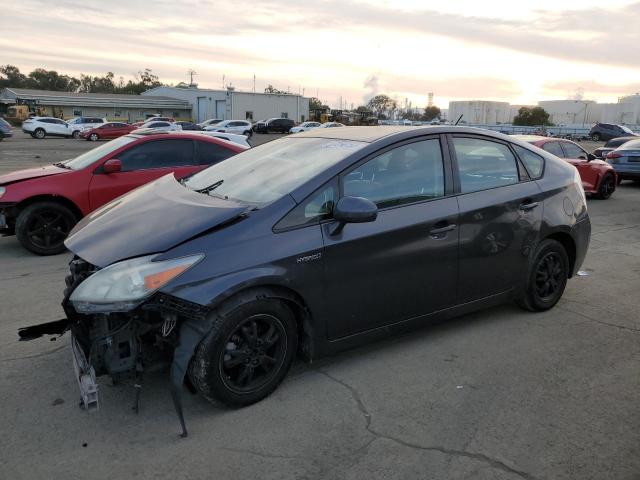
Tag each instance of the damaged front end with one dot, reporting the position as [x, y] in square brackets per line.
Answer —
[122, 326]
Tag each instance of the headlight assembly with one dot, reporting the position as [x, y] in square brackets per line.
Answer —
[122, 286]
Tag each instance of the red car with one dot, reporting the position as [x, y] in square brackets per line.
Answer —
[107, 131]
[41, 205]
[598, 177]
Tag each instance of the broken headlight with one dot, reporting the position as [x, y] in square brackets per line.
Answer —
[122, 286]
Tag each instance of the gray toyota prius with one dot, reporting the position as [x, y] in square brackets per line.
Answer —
[311, 244]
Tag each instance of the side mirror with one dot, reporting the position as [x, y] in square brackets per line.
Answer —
[353, 210]
[112, 166]
[590, 157]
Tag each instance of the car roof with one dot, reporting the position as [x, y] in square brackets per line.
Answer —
[530, 138]
[374, 133]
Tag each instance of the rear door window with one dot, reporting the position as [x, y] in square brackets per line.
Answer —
[533, 162]
[158, 154]
[208, 153]
[484, 164]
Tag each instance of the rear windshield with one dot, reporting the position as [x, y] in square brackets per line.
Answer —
[269, 171]
[4, 122]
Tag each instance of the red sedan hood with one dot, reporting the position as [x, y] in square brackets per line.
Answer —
[31, 173]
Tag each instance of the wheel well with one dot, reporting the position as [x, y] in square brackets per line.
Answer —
[50, 198]
[291, 299]
[570, 247]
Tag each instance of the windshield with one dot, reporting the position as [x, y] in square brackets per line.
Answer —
[272, 170]
[626, 129]
[97, 153]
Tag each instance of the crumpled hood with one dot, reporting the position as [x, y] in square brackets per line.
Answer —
[150, 219]
[30, 173]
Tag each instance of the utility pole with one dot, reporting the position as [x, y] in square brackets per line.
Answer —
[254, 83]
[191, 73]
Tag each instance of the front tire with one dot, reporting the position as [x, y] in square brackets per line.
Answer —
[247, 353]
[94, 137]
[248, 133]
[39, 133]
[607, 187]
[42, 227]
[75, 134]
[547, 277]
[595, 137]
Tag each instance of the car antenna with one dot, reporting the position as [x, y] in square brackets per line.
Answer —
[459, 118]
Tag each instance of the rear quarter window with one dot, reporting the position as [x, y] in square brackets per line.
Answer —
[533, 162]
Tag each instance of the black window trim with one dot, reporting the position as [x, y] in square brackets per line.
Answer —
[456, 171]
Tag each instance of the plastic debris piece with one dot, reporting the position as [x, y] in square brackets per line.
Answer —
[582, 273]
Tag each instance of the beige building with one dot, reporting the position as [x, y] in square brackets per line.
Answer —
[128, 108]
[480, 112]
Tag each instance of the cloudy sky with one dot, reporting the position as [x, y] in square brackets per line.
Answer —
[512, 50]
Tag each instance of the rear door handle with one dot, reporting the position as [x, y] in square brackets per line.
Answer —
[439, 232]
[528, 206]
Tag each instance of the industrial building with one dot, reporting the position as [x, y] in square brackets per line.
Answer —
[231, 104]
[572, 112]
[480, 112]
[127, 108]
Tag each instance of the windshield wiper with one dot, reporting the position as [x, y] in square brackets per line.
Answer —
[210, 187]
[62, 165]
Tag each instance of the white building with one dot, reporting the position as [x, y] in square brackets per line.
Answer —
[480, 112]
[573, 112]
[231, 104]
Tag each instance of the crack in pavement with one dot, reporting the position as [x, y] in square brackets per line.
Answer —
[494, 463]
[600, 322]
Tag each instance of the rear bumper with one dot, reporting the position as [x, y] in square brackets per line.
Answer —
[6, 134]
[581, 234]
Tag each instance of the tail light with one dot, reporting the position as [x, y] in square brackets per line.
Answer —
[613, 155]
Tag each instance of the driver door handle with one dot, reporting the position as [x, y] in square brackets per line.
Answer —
[528, 206]
[440, 232]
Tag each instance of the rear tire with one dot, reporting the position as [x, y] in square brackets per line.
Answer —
[248, 133]
[39, 133]
[247, 353]
[546, 278]
[607, 187]
[75, 134]
[42, 227]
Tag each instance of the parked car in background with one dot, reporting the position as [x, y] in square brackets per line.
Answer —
[211, 122]
[5, 129]
[158, 125]
[315, 243]
[626, 160]
[41, 127]
[156, 118]
[189, 126]
[304, 126]
[331, 125]
[609, 131]
[79, 124]
[260, 126]
[41, 205]
[611, 145]
[598, 177]
[107, 131]
[277, 125]
[231, 137]
[239, 127]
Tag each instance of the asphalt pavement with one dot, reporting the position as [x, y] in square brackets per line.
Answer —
[498, 394]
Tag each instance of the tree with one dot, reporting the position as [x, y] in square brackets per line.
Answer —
[316, 104]
[431, 113]
[532, 116]
[10, 76]
[381, 104]
[271, 89]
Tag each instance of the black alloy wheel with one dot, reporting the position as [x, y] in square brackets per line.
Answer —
[547, 277]
[43, 227]
[246, 354]
[254, 352]
[607, 187]
[595, 137]
[75, 134]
